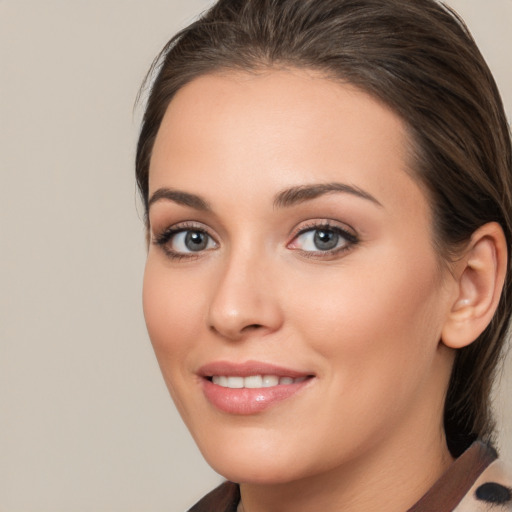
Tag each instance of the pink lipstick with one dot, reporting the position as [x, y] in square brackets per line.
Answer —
[250, 387]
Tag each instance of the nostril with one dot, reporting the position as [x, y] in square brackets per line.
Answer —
[252, 327]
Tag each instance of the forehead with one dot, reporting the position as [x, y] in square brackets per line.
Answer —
[279, 128]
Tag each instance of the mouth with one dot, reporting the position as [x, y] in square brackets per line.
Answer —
[253, 381]
[250, 387]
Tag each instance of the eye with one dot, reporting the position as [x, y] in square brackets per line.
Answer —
[323, 239]
[191, 241]
[179, 242]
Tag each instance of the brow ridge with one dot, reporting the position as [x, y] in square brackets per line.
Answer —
[179, 197]
[301, 193]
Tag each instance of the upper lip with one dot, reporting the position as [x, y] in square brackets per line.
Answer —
[248, 368]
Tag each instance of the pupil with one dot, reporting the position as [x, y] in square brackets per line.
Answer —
[325, 239]
[195, 241]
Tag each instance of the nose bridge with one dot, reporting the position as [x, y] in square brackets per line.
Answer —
[243, 299]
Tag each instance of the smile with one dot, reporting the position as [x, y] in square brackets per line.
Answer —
[253, 381]
[250, 387]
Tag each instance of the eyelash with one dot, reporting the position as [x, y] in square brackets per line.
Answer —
[351, 239]
[162, 239]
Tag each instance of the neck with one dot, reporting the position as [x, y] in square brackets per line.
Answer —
[383, 480]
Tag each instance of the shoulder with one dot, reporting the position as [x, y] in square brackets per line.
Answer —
[492, 490]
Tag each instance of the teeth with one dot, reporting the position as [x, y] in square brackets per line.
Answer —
[253, 381]
[270, 380]
[235, 382]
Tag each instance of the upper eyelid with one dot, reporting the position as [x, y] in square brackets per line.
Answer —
[323, 223]
[183, 226]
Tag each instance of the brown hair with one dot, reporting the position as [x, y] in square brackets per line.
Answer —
[415, 56]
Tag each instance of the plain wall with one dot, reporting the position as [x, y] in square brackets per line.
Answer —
[86, 423]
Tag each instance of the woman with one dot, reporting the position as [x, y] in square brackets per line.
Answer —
[328, 194]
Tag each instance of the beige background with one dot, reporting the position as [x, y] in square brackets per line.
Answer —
[85, 420]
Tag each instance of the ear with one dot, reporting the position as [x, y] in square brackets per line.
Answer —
[480, 275]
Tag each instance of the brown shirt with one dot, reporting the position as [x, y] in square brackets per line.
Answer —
[475, 482]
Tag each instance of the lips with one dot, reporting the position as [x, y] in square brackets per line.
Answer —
[250, 387]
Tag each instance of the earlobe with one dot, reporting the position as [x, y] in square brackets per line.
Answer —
[480, 276]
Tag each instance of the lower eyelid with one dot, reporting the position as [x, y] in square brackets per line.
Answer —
[327, 255]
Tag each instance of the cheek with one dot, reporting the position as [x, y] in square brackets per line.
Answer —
[378, 329]
[378, 317]
[171, 313]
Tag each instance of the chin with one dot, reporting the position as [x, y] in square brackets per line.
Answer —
[250, 471]
[258, 463]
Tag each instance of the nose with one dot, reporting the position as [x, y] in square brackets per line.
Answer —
[244, 301]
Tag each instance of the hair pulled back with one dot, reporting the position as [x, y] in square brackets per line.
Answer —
[419, 59]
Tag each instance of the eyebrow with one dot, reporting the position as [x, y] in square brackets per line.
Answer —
[284, 199]
[296, 195]
[179, 197]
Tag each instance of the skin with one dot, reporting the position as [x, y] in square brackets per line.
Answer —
[366, 432]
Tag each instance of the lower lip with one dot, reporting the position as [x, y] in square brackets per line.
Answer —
[245, 401]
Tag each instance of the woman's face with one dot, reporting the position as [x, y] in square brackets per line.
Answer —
[292, 293]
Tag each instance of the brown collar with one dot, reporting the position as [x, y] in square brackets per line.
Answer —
[224, 498]
[457, 480]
